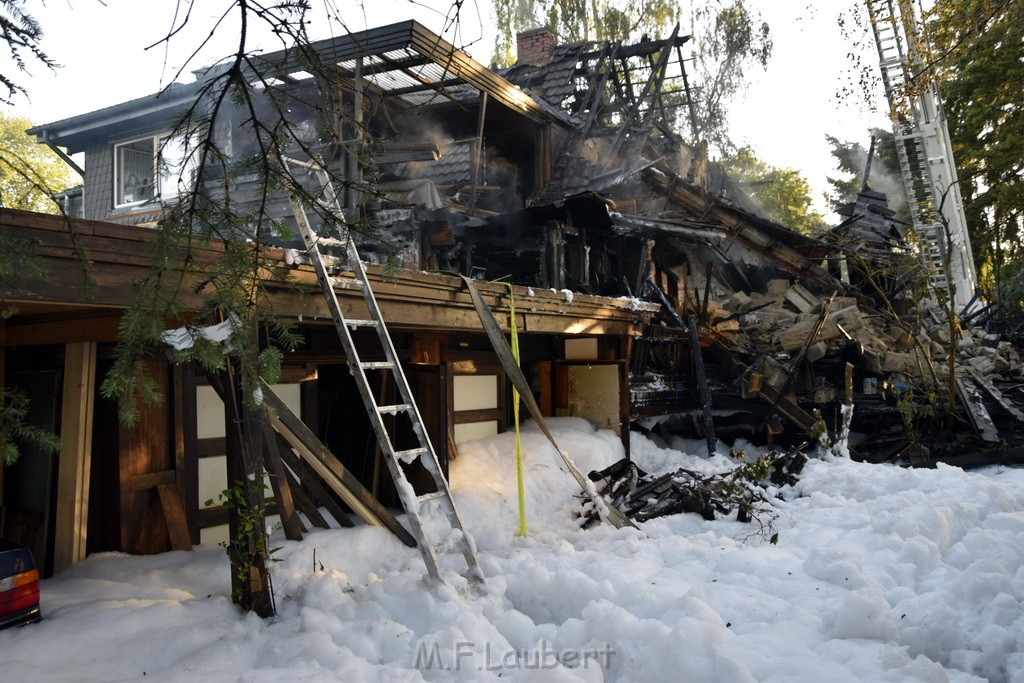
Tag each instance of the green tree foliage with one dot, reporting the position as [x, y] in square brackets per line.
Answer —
[783, 193]
[20, 33]
[979, 58]
[16, 432]
[729, 40]
[30, 173]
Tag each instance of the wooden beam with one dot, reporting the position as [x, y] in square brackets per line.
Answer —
[409, 299]
[72, 515]
[65, 331]
[174, 515]
[787, 407]
[148, 480]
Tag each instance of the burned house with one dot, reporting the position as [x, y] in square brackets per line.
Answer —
[560, 186]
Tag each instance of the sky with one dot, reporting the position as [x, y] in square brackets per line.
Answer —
[784, 116]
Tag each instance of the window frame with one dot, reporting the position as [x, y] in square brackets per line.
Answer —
[165, 185]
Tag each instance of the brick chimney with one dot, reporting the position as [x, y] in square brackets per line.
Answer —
[535, 47]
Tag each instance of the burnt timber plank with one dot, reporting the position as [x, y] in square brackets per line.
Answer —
[976, 411]
[304, 503]
[787, 407]
[309, 483]
[995, 395]
[330, 469]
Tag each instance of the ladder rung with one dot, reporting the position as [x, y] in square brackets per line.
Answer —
[377, 365]
[411, 454]
[352, 322]
[427, 497]
[392, 410]
[346, 282]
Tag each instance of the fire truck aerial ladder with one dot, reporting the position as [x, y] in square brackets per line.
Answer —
[924, 149]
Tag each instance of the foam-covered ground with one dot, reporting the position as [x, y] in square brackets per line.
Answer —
[879, 574]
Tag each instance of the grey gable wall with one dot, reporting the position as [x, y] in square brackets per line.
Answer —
[99, 181]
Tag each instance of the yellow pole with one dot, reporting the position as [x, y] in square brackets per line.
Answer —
[515, 414]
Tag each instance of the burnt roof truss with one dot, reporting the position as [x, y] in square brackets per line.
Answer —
[617, 93]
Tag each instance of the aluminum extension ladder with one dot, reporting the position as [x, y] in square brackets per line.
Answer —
[456, 535]
[924, 149]
[893, 56]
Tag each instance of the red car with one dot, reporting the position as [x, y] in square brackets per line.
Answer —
[19, 585]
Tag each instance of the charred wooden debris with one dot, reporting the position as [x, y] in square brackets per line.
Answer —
[745, 491]
[612, 202]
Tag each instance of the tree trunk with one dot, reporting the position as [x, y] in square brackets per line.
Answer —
[247, 546]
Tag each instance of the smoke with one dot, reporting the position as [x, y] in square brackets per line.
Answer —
[885, 176]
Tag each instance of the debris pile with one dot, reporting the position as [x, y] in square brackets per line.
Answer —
[742, 490]
[908, 365]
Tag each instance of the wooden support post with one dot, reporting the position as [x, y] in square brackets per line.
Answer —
[624, 406]
[698, 366]
[72, 517]
[279, 482]
[250, 579]
[709, 270]
[145, 459]
[186, 465]
[3, 383]
[848, 381]
[702, 385]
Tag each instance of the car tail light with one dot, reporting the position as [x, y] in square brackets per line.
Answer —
[19, 592]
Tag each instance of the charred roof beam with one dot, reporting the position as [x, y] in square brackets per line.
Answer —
[640, 120]
[640, 49]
